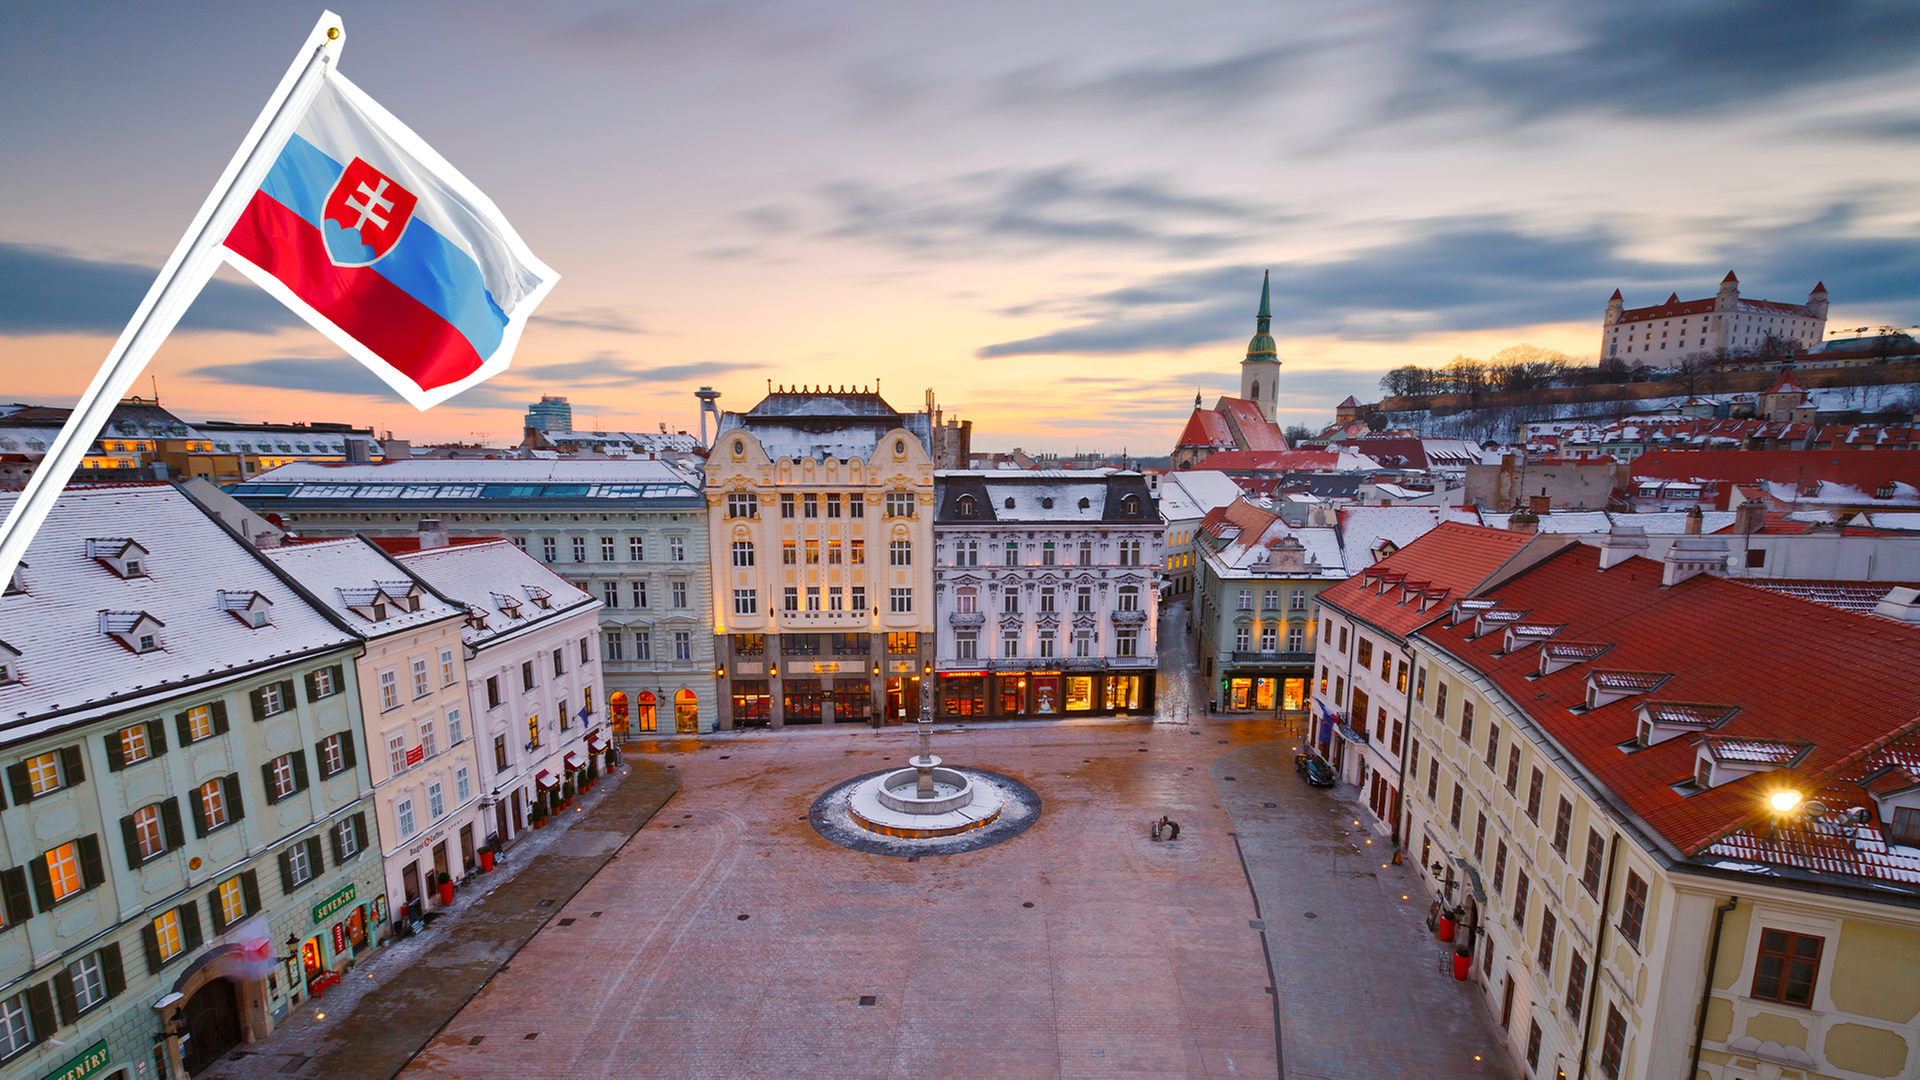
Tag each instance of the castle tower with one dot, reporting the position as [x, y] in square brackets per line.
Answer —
[1260, 371]
[1614, 307]
[1729, 294]
[1817, 300]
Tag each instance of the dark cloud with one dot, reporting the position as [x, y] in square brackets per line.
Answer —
[1226, 82]
[1652, 57]
[608, 319]
[47, 291]
[608, 370]
[1029, 209]
[1457, 274]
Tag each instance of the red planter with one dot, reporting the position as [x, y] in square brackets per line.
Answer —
[1447, 928]
[539, 823]
[1462, 966]
[446, 893]
[486, 860]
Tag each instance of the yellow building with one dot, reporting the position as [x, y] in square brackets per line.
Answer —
[820, 511]
[1675, 820]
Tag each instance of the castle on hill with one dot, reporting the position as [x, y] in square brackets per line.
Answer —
[1664, 334]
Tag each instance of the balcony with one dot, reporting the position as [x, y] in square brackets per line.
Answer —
[968, 618]
[1129, 618]
[1273, 656]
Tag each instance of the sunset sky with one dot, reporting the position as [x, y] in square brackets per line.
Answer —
[1053, 214]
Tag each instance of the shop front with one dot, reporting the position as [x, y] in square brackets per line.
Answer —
[1280, 692]
[1044, 694]
[752, 703]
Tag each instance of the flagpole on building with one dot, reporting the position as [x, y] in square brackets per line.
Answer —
[184, 275]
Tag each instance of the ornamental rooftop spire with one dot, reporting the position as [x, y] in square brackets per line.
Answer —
[1262, 347]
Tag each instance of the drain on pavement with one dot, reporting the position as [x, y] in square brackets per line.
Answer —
[742, 918]
[476, 1040]
[566, 922]
[1222, 742]
[869, 999]
[530, 1036]
[1311, 915]
[1143, 749]
[1027, 904]
[1256, 924]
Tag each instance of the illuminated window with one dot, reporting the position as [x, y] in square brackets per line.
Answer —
[148, 836]
[167, 933]
[43, 773]
[233, 901]
[214, 811]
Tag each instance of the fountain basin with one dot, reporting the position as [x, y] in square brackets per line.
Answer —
[899, 791]
[876, 805]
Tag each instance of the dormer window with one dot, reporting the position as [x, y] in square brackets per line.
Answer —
[507, 605]
[249, 607]
[369, 604]
[1607, 687]
[1720, 760]
[1130, 506]
[1703, 775]
[137, 630]
[9, 664]
[541, 598]
[404, 595]
[14, 585]
[1555, 655]
[966, 507]
[1009, 503]
[119, 554]
[1086, 504]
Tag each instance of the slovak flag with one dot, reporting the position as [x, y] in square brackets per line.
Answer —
[384, 247]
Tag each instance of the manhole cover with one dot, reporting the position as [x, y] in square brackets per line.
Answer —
[530, 1036]
[742, 918]
[869, 999]
[566, 922]
[1311, 915]
[476, 1040]
[1027, 904]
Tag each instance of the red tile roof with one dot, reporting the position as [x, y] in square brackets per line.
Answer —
[1452, 559]
[1800, 672]
[1205, 428]
[1863, 471]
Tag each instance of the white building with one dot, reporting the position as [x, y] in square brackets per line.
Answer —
[534, 683]
[1661, 335]
[1185, 500]
[1046, 592]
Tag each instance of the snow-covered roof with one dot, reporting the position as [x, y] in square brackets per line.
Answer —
[478, 471]
[1662, 523]
[844, 442]
[1897, 520]
[340, 572]
[1249, 556]
[483, 575]
[68, 662]
[1191, 494]
[1363, 528]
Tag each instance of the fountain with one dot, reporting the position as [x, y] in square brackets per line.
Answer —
[924, 800]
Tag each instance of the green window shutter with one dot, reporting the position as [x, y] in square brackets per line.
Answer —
[156, 737]
[299, 770]
[71, 766]
[170, 823]
[216, 914]
[250, 890]
[190, 926]
[116, 752]
[151, 938]
[199, 804]
[346, 749]
[22, 787]
[219, 717]
[313, 854]
[63, 994]
[235, 809]
[313, 688]
[339, 678]
[40, 1007]
[286, 873]
[255, 698]
[181, 726]
[131, 837]
[13, 888]
[42, 883]
[360, 831]
[333, 834]
[112, 970]
[92, 872]
[286, 694]
[266, 783]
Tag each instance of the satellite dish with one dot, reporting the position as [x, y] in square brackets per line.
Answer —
[1815, 810]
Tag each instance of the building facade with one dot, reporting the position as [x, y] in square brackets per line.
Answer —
[1255, 584]
[418, 732]
[1185, 499]
[533, 674]
[1664, 334]
[1675, 820]
[1046, 591]
[185, 793]
[820, 507]
[631, 533]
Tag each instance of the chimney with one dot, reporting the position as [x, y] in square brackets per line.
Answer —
[1539, 505]
[1692, 555]
[1749, 517]
[1694, 517]
[1901, 605]
[432, 534]
[1621, 543]
[1523, 521]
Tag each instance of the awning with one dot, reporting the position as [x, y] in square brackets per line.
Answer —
[545, 780]
[595, 743]
[574, 762]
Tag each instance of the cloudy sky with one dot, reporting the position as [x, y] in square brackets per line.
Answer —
[1055, 215]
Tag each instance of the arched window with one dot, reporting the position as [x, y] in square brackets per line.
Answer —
[644, 712]
[1256, 390]
[1009, 502]
[965, 507]
[1130, 505]
[967, 600]
[686, 713]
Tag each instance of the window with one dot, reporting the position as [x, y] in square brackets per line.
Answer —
[1126, 643]
[147, 838]
[1633, 908]
[856, 506]
[219, 803]
[1905, 827]
[43, 773]
[1534, 788]
[462, 784]
[677, 548]
[389, 690]
[1562, 826]
[746, 602]
[1047, 553]
[1513, 768]
[1343, 641]
[429, 742]
[397, 753]
[1296, 638]
[493, 692]
[436, 801]
[1046, 644]
[1499, 866]
[1365, 653]
[1419, 685]
[832, 499]
[421, 687]
[1576, 983]
[1010, 644]
[579, 549]
[859, 598]
[559, 662]
[1613, 1045]
[966, 646]
[606, 549]
[810, 505]
[1533, 1044]
[1479, 837]
[790, 598]
[1493, 745]
[547, 548]
[229, 902]
[526, 675]
[1127, 598]
[900, 601]
[857, 552]
[1046, 599]
[813, 552]
[1086, 553]
[679, 589]
[899, 553]
[683, 645]
[1269, 638]
[743, 553]
[637, 546]
[742, 506]
[1549, 925]
[899, 504]
[1083, 598]
[1459, 798]
[170, 933]
[1466, 722]
[323, 683]
[1440, 702]
[347, 838]
[90, 980]
[1590, 871]
[1433, 781]
[610, 593]
[1297, 601]
[786, 506]
[273, 699]
[1013, 553]
[586, 651]
[17, 1027]
[335, 754]
[1520, 884]
[284, 776]
[403, 815]
[1786, 966]
[639, 594]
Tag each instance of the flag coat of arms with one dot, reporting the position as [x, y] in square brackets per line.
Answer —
[384, 247]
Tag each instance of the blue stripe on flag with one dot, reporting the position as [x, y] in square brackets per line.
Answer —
[427, 265]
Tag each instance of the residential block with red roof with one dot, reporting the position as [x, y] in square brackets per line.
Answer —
[1677, 816]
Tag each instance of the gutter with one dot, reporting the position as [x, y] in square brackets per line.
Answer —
[1599, 952]
[1706, 989]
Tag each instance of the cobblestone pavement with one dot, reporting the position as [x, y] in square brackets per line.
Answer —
[394, 1001]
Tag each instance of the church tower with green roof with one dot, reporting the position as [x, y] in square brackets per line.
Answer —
[1260, 371]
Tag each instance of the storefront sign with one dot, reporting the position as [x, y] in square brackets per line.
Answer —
[339, 937]
[332, 904]
[416, 755]
[96, 1058]
[829, 668]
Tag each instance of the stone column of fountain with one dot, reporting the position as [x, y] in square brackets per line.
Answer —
[926, 761]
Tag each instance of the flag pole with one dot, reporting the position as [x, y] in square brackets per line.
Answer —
[185, 273]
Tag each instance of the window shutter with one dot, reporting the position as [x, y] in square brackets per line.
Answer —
[346, 748]
[17, 780]
[360, 831]
[42, 883]
[151, 939]
[235, 809]
[180, 725]
[156, 737]
[333, 834]
[13, 887]
[190, 926]
[259, 706]
[71, 766]
[63, 994]
[250, 890]
[116, 752]
[40, 1007]
[313, 687]
[131, 836]
[286, 695]
[266, 783]
[219, 718]
[113, 970]
[339, 678]
[219, 917]
[170, 823]
[299, 770]
[313, 855]
[286, 872]
[199, 804]
[92, 873]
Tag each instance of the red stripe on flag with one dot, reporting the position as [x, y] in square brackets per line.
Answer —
[376, 312]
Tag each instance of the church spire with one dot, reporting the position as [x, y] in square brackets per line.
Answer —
[1266, 302]
[1262, 347]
